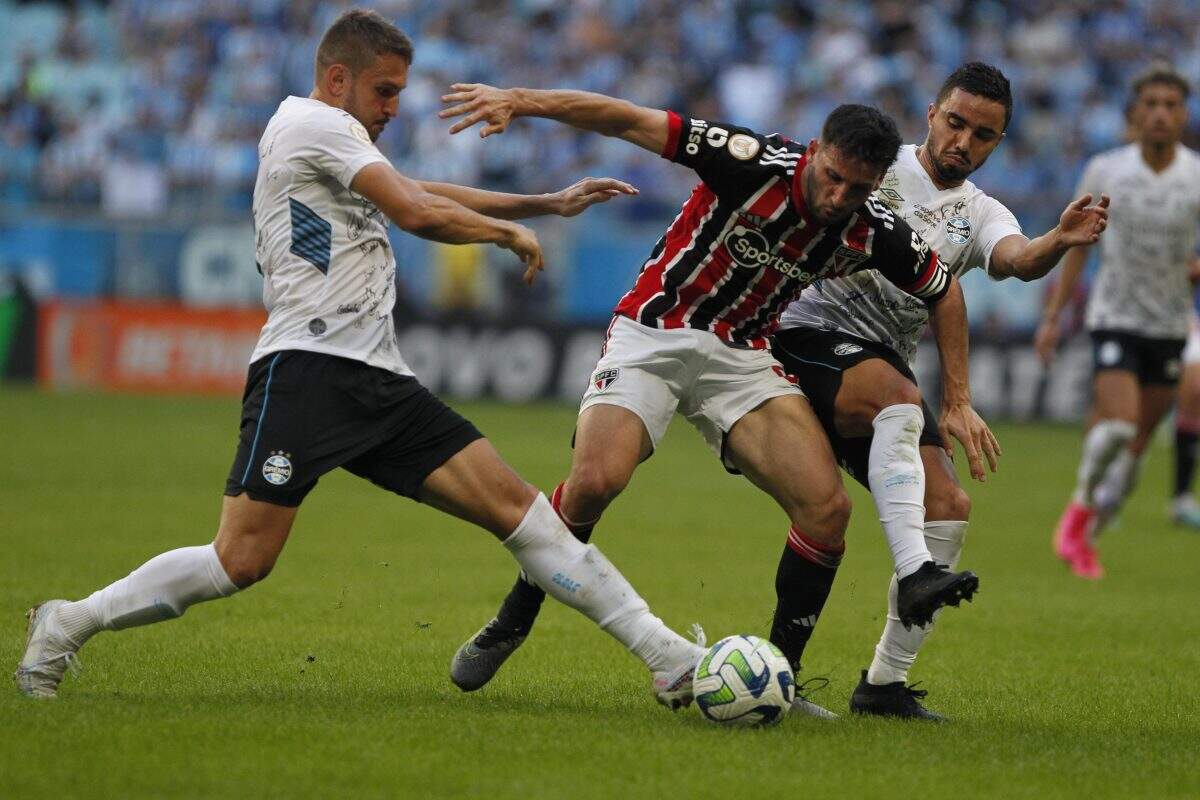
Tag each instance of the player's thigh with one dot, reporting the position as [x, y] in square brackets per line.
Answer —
[476, 485]
[945, 498]
[610, 442]
[781, 447]
[868, 387]
[251, 536]
[1116, 394]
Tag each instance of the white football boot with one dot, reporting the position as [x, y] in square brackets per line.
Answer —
[673, 687]
[48, 653]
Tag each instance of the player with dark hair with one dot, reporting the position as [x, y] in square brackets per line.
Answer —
[769, 217]
[1139, 307]
[327, 388]
[851, 341]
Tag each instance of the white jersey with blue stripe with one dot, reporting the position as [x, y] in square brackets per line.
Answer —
[328, 269]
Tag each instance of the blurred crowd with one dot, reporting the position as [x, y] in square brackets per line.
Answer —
[135, 104]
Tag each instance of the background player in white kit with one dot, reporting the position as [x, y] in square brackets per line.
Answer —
[327, 387]
[851, 342]
[1139, 307]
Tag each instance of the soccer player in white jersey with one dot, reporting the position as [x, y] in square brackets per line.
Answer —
[851, 342]
[769, 216]
[327, 387]
[1138, 310]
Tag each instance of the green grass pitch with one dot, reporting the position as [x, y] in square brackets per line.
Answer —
[330, 678]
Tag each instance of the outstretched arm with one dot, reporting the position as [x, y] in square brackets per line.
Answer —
[1080, 225]
[477, 102]
[958, 418]
[432, 216]
[566, 202]
[1045, 341]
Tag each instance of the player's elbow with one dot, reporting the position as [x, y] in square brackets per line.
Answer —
[417, 216]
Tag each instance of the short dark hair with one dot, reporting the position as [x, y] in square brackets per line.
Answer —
[358, 37]
[864, 133]
[981, 79]
[1160, 73]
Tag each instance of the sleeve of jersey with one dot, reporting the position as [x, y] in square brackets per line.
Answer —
[915, 267]
[723, 155]
[340, 146]
[997, 223]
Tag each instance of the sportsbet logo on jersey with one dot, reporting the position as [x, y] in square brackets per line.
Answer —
[749, 248]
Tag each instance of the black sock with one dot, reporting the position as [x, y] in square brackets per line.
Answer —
[1185, 461]
[801, 588]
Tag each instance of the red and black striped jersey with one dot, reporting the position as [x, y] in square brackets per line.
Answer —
[744, 245]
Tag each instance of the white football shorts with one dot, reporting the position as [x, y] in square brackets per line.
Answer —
[655, 372]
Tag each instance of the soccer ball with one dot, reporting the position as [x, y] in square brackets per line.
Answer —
[744, 680]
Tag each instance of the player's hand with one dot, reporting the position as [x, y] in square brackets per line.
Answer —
[584, 194]
[1045, 341]
[479, 103]
[961, 422]
[524, 243]
[1082, 222]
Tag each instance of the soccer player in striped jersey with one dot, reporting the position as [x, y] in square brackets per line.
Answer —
[1139, 308]
[858, 335]
[769, 217]
[327, 387]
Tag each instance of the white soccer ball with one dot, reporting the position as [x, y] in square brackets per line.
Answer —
[744, 680]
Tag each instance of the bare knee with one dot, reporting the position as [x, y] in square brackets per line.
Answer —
[949, 503]
[826, 521]
[856, 415]
[245, 561]
[592, 486]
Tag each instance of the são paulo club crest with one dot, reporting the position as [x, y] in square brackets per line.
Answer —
[605, 378]
[277, 469]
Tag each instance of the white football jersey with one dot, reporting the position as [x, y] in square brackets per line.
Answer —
[328, 270]
[1142, 286]
[962, 224]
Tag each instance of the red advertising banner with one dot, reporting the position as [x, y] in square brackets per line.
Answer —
[154, 348]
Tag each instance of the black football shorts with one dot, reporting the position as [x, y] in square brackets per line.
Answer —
[304, 414]
[1155, 362]
[817, 359]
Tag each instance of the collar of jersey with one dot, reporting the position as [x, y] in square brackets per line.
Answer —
[798, 191]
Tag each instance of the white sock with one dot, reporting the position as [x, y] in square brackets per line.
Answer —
[579, 576]
[1119, 480]
[897, 648]
[1104, 441]
[158, 590]
[897, 480]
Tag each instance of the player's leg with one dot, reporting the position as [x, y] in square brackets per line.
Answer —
[263, 492]
[782, 449]
[610, 441]
[867, 395]
[1154, 401]
[876, 401]
[249, 540]
[626, 409]
[1115, 414]
[1184, 508]
[882, 689]
[477, 486]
